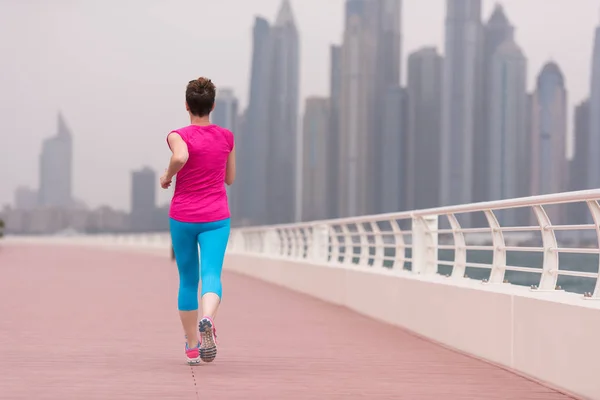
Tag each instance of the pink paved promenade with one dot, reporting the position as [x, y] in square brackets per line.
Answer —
[80, 323]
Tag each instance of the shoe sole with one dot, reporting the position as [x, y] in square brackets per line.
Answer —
[193, 361]
[208, 347]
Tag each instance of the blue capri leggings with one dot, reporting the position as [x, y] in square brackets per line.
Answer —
[212, 238]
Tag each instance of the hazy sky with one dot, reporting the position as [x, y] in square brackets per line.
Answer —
[118, 70]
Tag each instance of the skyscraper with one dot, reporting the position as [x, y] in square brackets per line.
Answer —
[579, 165]
[507, 125]
[525, 153]
[333, 165]
[424, 87]
[238, 191]
[143, 199]
[387, 172]
[357, 108]
[26, 198]
[370, 65]
[143, 189]
[462, 97]
[496, 31]
[389, 42]
[283, 117]
[253, 143]
[225, 113]
[392, 155]
[593, 178]
[315, 159]
[56, 163]
[549, 134]
[269, 142]
[524, 215]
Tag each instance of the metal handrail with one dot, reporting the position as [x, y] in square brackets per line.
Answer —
[362, 242]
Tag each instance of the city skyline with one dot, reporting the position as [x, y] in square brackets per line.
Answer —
[95, 196]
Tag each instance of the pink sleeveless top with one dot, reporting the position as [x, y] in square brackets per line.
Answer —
[200, 194]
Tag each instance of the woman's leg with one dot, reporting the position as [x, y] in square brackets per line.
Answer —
[213, 243]
[185, 246]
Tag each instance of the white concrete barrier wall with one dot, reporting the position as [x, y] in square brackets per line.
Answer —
[551, 337]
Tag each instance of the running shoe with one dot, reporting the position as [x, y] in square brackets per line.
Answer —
[208, 339]
[192, 355]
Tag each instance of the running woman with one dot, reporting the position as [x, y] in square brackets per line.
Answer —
[203, 161]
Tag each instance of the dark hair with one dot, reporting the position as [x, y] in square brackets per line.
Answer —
[200, 96]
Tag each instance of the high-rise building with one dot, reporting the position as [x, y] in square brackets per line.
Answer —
[579, 165]
[525, 153]
[225, 113]
[524, 215]
[549, 134]
[333, 165]
[496, 31]
[389, 42]
[315, 159]
[370, 65]
[269, 142]
[236, 195]
[393, 152]
[25, 198]
[143, 199]
[283, 117]
[507, 125]
[253, 142]
[56, 164]
[357, 108]
[424, 87]
[143, 189]
[593, 177]
[462, 100]
[384, 178]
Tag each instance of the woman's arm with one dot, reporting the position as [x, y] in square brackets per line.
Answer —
[178, 158]
[230, 172]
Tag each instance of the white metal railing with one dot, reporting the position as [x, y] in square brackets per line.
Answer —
[415, 240]
[151, 241]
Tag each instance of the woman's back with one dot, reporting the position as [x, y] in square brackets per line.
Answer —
[200, 194]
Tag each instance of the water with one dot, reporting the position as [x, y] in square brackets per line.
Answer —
[567, 261]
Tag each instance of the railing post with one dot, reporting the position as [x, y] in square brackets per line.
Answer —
[499, 254]
[348, 245]
[335, 245]
[424, 244]
[363, 257]
[236, 243]
[400, 249]
[378, 243]
[272, 245]
[320, 244]
[550, 264]
[595, 211]
[460, 248]
[296, 252]
[306, 234]
[252, 244]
